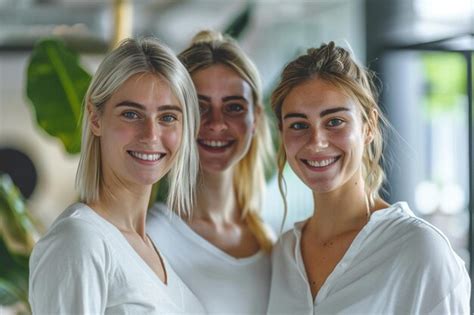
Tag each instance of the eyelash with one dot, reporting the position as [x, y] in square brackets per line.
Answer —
[340, 122]
[165, 117]
[233, 108]
[302, 125]
[127, 115]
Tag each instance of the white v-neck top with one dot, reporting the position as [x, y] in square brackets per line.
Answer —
[223, 284]
[397, 264]
[84, 265]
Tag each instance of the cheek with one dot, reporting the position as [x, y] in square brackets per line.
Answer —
[116, 134]
[349, 141]
[172, 139]
[245, 124]
[292, 144]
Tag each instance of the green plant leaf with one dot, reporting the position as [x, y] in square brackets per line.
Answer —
[13, 276]
[56, 85]
[240, 23]
[17, 228]
[17, 236]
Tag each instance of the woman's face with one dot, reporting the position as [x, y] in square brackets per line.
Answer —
[227, 117]
[140, 131]
[323, 136]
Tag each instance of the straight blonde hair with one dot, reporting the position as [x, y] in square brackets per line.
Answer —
[210, 48]
[131, 57]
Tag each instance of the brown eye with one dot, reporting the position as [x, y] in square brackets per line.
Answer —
[235, 108]
[203, 109]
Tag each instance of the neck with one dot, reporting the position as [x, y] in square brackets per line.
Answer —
[215, 200]
[343, 210]
[124, 207]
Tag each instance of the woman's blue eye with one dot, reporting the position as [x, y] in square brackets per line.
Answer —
[130, 115]
[168, 118]
[298, 126]
[335, 122]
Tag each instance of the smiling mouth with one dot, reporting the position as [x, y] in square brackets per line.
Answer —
[215, 144]
[152, 157]
[321, 163]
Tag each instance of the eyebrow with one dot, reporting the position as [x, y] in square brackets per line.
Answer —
[225, 99]
[234, 98]
[322, 114]
[143, 108]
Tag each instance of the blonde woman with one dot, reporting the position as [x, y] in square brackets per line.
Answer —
[356, 254]
[221, 251]
[140, 119]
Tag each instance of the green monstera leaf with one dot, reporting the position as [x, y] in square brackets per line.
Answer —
[18, 233]
[56, 85]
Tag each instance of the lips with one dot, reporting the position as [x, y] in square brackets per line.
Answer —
[152, 157]
[321, 163]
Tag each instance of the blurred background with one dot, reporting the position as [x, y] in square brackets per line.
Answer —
[422, 51]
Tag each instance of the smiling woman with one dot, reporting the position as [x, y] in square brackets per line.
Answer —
[140, 120]
[356, 254]
[221, 251]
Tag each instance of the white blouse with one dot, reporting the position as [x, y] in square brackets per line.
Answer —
[222, 283]
[84, 265]
[397, 264]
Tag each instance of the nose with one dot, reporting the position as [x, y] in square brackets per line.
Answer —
[150, 131]
[215, 121]
[318, 140]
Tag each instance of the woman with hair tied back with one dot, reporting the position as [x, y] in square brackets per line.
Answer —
[222, 250]
[356, 254]
[140, 117]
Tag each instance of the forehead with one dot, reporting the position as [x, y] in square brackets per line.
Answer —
[317, 95]
[220, 78]
[146, 88]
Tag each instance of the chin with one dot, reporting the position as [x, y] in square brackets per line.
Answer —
[320, 187]
[215, 167]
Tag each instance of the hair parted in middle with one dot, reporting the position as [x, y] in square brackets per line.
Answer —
[131, 57]
[335, 65]
[210, 48]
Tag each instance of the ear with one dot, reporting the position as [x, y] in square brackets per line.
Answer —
[94, 120]
[370, 126]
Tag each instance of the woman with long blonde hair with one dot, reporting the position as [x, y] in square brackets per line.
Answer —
[222, 249]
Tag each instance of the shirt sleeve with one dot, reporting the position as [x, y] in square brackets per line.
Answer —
[456, 302]
[68, 270]
[438, 274]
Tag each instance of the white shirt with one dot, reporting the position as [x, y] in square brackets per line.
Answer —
[224, 284]
[84, 265]
[397, 264]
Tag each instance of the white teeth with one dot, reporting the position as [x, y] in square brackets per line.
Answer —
[321, 163]
[214, 143]
[146, 157]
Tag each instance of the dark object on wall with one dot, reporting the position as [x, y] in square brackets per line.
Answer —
[20, 168]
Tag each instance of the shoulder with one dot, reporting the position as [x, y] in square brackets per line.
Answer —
[158, 212]
[422, 246]
[74, 236]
